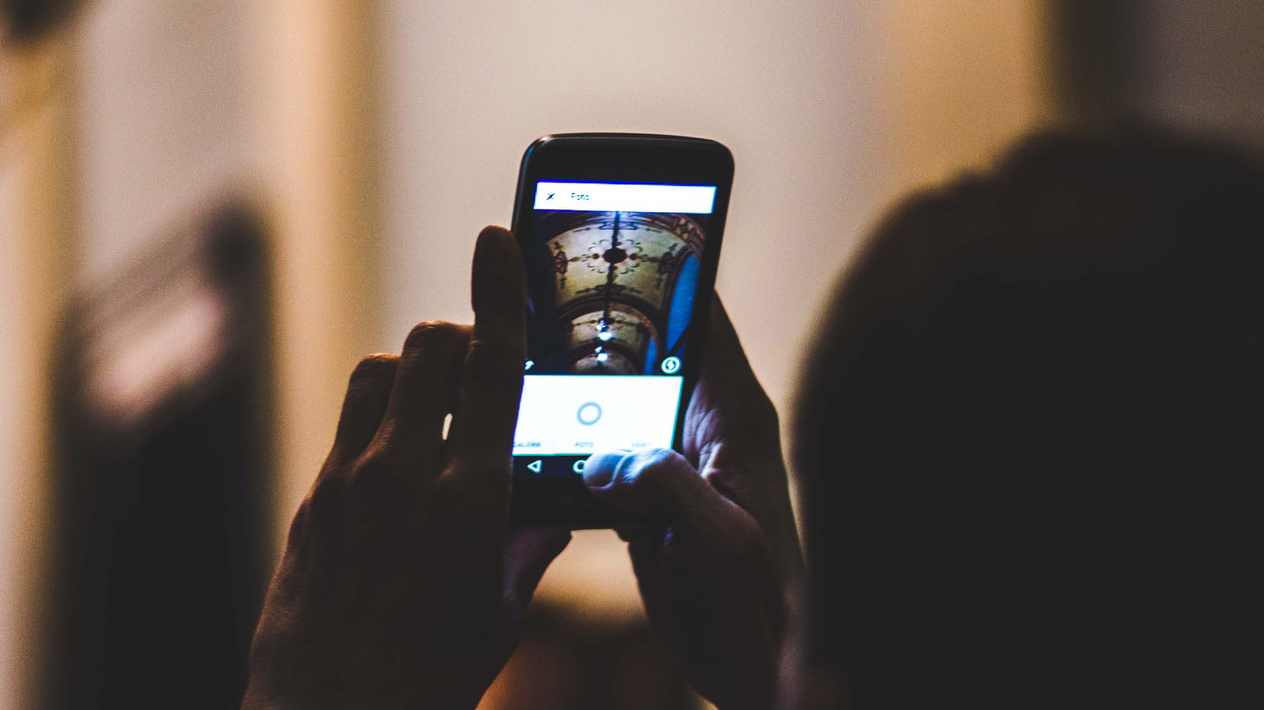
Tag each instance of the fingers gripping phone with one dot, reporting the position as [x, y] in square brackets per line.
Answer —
[620, 234]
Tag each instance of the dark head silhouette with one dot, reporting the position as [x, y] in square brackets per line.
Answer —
[1028, 440]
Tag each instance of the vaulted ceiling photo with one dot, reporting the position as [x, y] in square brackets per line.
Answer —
[624, 286]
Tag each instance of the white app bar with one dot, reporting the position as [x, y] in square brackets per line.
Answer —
[621, 197]
[587, 414]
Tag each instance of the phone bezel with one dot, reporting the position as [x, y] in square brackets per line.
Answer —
[621, 158]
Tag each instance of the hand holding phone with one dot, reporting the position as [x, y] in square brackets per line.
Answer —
[621, 236]
[401, 584]
[718, 574]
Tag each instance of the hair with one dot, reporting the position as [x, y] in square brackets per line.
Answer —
[1027, 441]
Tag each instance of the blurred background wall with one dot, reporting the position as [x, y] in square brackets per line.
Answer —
[376, 138]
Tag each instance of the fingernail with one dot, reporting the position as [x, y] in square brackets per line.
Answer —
[492, 243]
[496, 278]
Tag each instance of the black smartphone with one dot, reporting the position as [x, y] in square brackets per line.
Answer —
[620, 234]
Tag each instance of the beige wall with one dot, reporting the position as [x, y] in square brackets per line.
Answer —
[36, 227]
[966, 78]
[317, 118]
[10, 458]
[1202, 66]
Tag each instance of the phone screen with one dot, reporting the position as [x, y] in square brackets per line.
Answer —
[612, 277]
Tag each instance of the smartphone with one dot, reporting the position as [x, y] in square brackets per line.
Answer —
[620, 234]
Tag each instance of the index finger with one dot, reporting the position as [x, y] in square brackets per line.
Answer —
[491, 382]
[742, 413]
[725, 358]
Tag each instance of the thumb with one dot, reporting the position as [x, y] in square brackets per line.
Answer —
[659, 483]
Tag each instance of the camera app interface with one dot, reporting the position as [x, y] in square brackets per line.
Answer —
[613, 271]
